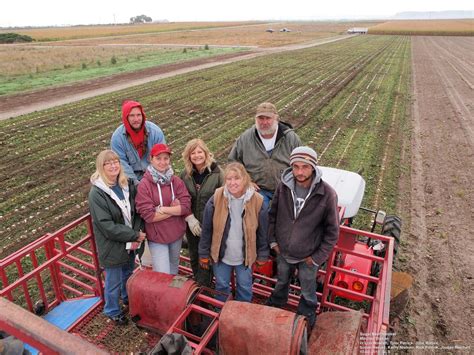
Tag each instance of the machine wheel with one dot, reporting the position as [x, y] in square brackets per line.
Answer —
[392, 227]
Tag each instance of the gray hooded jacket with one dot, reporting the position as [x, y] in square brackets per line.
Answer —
[314, 230]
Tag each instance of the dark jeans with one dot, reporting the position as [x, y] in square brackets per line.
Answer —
[201, 276]
[307, 277]
[267, 197]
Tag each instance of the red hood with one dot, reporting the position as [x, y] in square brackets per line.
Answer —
[137, 137]
[126, 108]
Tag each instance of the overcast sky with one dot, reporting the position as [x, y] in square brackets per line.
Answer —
[67, 12]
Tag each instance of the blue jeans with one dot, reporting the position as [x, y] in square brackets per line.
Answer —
[165, 257]
[267, 197]
[243, 276]
[115, 286]
[307, 276]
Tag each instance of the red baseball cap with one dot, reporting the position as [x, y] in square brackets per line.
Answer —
[160, 148]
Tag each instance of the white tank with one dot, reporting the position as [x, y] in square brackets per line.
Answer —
[349, 186]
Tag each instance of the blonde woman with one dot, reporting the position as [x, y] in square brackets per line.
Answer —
[202, 176]
[115, 222]
[234, 232]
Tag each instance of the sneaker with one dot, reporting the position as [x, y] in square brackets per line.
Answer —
[120, 319]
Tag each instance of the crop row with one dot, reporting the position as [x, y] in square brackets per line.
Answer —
[328, 91]
[365, 124]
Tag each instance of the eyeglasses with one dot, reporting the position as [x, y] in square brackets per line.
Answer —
[112, 162]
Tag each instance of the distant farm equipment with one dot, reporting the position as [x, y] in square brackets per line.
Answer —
[360, 30]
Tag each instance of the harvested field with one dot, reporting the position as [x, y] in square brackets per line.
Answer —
[438, 194]
[74, 32]
[463, 27]
[250, 35]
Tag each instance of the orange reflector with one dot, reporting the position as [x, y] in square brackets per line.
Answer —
[342, 284]
[357, 286]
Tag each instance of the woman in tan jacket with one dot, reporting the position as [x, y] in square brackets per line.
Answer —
[234, 233]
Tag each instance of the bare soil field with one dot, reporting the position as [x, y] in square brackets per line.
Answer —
[438, 195]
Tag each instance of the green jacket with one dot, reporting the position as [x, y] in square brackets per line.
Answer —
[110, 232]
[199, 198]
[264, 169]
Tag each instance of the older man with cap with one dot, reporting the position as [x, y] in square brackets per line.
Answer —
[133, 140]
[264, 149]
[303, 229]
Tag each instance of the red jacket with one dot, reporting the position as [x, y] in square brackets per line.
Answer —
[170, 229]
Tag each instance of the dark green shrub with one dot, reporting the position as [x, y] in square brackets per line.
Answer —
[14, 38]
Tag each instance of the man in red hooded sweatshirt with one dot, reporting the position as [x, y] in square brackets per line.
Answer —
[133, 140]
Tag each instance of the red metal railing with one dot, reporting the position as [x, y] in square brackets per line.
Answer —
[60, 269]
[377, 318]
[53, 269]
[203, 305]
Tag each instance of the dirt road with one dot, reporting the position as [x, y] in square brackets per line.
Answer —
[24, 103]
[440, 244]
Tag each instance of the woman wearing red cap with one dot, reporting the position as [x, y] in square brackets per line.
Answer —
[163, 201]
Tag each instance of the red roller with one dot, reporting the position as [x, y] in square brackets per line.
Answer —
[248, 328]
[156, 300]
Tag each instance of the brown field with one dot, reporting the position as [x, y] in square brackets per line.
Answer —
[29, 59]
[437, 192]
[73, 32]
[463, 27]
[245, 35]
[212, 33]
[18, 59]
